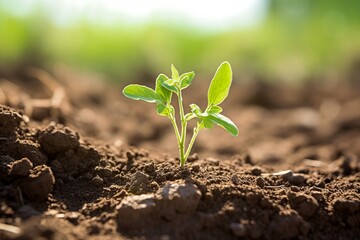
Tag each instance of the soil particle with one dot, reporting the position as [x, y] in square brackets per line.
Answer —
[235, 179]
[256, 171]
[57, 138]
[195, 168]
[139, 183]
[21, 168]
[38, 184]
[295, 178]
[304, 204]
[260, 182]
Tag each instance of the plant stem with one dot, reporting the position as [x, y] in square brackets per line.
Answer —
[173, 121]
[183, 130]
[195, 133]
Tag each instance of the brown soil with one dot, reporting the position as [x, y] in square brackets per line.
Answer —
[67, 170]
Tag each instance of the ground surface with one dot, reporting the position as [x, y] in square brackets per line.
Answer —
[67, 170]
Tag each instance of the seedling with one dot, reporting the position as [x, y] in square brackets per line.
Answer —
[165, 87]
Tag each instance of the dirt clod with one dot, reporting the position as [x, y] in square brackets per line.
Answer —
[305, 205]
[9, 121]
[21, 168]
[38, 184]
[57, 139]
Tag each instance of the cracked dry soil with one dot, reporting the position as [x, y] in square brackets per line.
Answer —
[293, 173]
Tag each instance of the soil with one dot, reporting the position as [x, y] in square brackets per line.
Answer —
[79, 161]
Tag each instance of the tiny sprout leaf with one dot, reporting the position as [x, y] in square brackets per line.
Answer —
[214, 109]
[224, 122]
[169, 84]
[162, 110]
[163, 92]
[186, 79]
[220, 84]
[174, 72]
[189, 116]
[140, 92]
[196, 110]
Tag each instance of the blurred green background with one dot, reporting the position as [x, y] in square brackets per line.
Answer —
[283, 40]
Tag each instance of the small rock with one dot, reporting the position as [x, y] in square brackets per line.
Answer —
[73, 217]
[235, 180]
[21, 168]
[256, 171]
[295, 178]
[213, 161]
[139, 183]
[260, 182]
[193, 157]
[178, 198]
[150, 168]
[130, 155]
[238, 229]
[97, 181]
[195, 168]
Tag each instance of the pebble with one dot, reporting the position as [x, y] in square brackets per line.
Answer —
[260, 182]
[195, 168]
[235, 180]
[256, 171]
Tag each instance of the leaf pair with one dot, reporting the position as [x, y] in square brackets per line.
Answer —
[212, 116]
[217, 93]
[161, 95]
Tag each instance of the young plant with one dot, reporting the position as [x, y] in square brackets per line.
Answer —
[165, 87]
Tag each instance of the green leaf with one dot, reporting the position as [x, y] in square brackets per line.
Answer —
[140, 92]
[220, 84]
[207, 123]
[224, 122]
[161, 109]
[186, 79]
[214, 109]
[174, 72]
[163, 92]
[169, 84]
